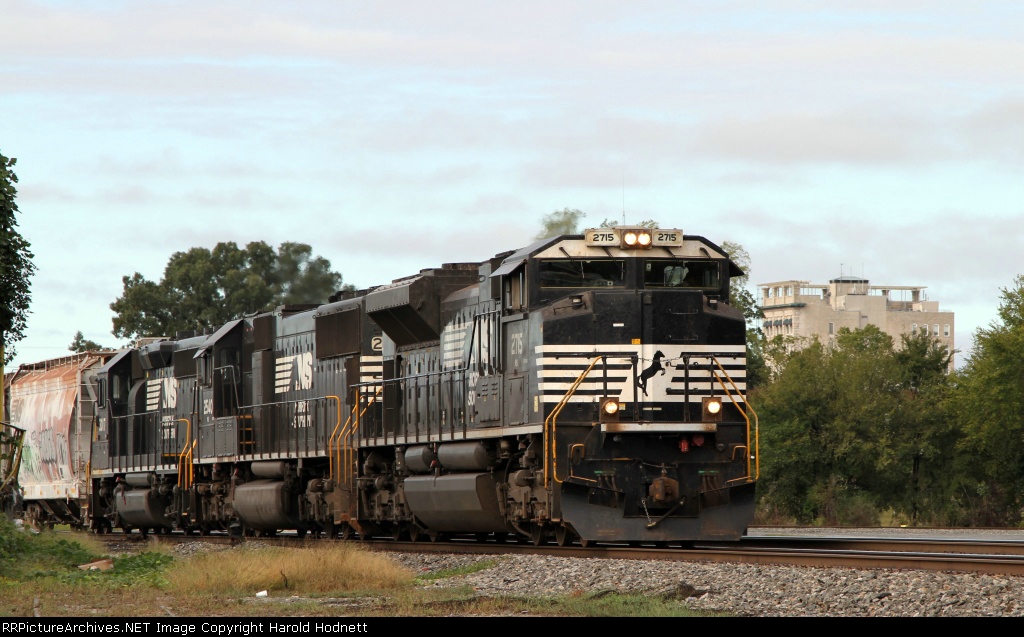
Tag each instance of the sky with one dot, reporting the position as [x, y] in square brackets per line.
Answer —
[879, 139]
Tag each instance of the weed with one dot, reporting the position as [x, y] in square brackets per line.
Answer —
[468, 569]
[317, 570]
[40, 574]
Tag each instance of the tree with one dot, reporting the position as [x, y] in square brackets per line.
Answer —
[559, 222]
[989, 399]
[204, 288]
[742, 298]
[925, 477]
[82, 344]
[856, 427]
[16, 267]
[646, 223]
[302, 278]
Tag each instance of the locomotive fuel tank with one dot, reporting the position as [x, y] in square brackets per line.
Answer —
[456, 502]
[264, 505]
[143, 508]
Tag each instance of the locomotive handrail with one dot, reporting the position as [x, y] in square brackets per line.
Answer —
[348, 431]
[742, 410]
[336, 435]
[550, 423]
[330, 441]
[185, 475]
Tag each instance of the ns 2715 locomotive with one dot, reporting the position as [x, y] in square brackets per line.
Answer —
[584, 389]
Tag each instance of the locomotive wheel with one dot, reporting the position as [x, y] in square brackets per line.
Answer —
[435, 536]
[586, 543]
[563, 536]
[345, 531]
[537, 534]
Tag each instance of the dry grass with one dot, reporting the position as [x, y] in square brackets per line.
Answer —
[317, 571]
[315, 581]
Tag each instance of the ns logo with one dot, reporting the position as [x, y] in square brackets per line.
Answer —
[293, 372]
[161, 393]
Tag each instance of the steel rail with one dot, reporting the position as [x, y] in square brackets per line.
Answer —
[1004, 557]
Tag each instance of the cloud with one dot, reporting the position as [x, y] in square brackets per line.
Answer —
[391, 137]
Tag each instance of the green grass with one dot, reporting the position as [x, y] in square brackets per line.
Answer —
[469, 569]
[39, 573]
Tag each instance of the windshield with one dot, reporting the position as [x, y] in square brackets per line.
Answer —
[581, 273]
[671, 273]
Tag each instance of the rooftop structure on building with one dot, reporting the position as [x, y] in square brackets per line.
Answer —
[804, 309]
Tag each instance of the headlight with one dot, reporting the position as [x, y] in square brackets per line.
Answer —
[609, 409]
[712, 406]
[637, 238]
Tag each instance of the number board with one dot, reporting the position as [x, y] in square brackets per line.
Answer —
[611, 237]
[603, 237]
[662, 237]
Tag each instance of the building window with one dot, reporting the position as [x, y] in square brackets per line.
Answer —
[945, 330]
[913, 329]
[924, 329]
[831, 328]
[935, 329]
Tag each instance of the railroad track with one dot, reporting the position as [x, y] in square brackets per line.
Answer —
[995, 556]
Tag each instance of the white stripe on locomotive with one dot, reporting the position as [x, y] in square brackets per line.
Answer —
[558, 367]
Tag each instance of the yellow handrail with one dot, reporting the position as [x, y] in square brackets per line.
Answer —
[185, 481]
[550, 423]
[330, 441]
[331, 448]
[347, 432]
[742, 409]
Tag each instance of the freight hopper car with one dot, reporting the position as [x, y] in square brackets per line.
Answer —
[52, 407]
[586, 388]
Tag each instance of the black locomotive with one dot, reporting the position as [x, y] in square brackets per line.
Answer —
[586, 388]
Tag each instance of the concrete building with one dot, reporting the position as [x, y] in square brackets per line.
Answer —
[803, 309]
